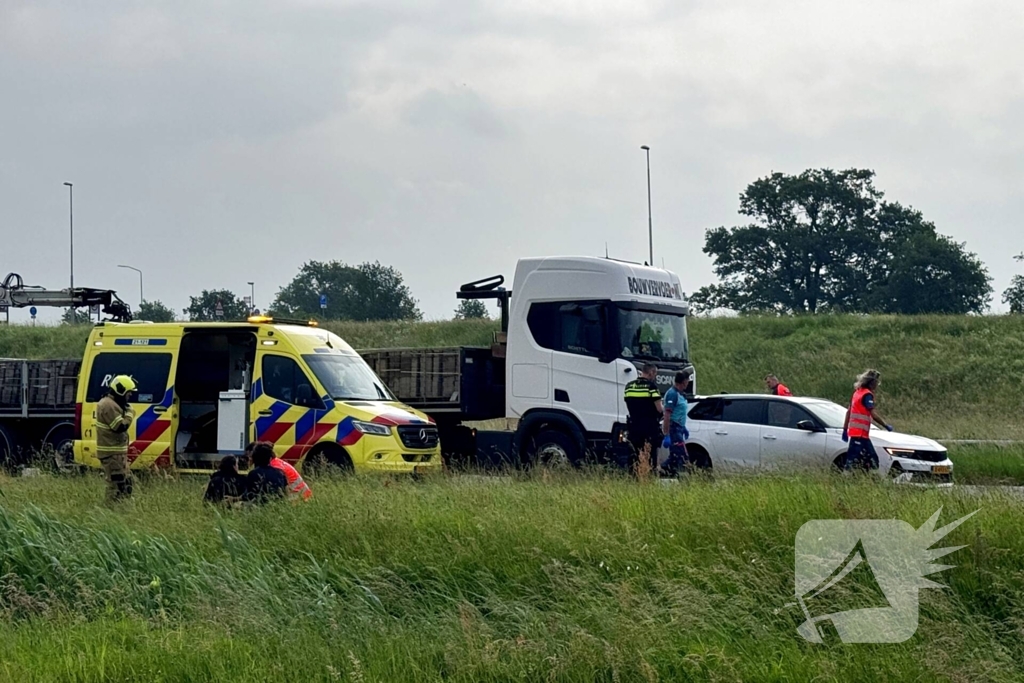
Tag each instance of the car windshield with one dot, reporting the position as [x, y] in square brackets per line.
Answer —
[832, 415]
[652, 336]
[347, 378]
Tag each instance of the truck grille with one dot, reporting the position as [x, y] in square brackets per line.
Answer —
[415, 436]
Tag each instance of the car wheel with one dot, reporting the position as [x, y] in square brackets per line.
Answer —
[700, 459]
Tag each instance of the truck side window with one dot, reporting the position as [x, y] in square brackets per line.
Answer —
[284, 380]
[571, 327]
[150, 371]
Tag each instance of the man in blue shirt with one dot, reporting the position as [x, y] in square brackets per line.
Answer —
[674, 424]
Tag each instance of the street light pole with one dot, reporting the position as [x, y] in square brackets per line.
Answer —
[142, 298]
[71, 222]
[252, 296]
[650, 222]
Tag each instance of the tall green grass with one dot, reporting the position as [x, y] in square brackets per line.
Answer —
[943, 376]
[577, 578]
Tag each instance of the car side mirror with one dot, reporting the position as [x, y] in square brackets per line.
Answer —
[807, 426]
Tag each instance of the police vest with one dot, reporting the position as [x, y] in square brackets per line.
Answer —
[860, 417]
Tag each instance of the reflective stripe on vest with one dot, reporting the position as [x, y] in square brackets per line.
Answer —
[297, 487]
[860, 417]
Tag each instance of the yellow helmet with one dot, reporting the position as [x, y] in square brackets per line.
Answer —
[122, 385]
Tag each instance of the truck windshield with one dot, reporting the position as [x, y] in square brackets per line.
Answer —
[347, 378]
[651, 335]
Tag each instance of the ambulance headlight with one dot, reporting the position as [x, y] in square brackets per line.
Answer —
[371, 428]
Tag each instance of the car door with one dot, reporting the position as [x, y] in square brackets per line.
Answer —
[583, 382]
[736, 438]
[783, 443]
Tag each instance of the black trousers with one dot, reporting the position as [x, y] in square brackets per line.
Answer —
[646, 435]
[861, 455]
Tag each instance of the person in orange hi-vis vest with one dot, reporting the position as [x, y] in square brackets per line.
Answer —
[857, 427]
[297, 489]
[775, 387]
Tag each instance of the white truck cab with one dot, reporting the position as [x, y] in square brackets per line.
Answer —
[579, 330]
[575, 331]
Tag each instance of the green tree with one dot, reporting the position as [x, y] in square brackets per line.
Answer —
[155, 311]
[76, 316]
[471, 309]
[369, 291]
[827, 241]
[203, 308]
[1014, 295]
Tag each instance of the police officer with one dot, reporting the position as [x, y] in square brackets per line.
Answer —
[113, 419]
[857, 428]
[643, 401]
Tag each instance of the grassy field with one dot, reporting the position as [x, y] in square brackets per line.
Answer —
[948, 377]
[578, 578]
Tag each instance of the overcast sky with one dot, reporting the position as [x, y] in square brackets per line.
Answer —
[213, 142]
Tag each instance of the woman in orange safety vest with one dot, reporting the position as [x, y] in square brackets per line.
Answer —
[857, 427]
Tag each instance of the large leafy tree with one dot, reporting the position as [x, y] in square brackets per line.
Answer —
[1014, 295]
[203, 308]
[369, 291]
[827, 241]
[155, 311]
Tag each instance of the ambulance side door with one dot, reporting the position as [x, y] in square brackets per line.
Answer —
[284, 405]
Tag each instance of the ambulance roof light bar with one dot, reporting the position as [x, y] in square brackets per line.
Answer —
[266, 320]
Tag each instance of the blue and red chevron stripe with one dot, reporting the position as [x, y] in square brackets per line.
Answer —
[150, 425]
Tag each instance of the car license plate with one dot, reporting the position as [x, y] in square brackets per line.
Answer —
[940, 469]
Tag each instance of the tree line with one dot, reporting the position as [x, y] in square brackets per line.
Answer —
[369, 291]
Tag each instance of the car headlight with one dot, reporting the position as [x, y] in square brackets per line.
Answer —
[371, 428]
[900, 452]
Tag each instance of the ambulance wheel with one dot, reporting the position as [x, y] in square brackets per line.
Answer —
[60, 444]
[325, 460]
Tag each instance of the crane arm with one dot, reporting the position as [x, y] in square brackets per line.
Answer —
[14, 293]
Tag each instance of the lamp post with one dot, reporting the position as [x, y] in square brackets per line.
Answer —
[650, 223]
[71, 224]
[252, 296]
[142, 299]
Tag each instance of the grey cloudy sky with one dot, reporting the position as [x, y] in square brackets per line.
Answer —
[216, 142]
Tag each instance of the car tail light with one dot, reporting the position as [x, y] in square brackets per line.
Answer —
[78, 422]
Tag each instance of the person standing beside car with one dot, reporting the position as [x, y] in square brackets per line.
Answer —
[857, 426]
[775, 387]
[674, 424]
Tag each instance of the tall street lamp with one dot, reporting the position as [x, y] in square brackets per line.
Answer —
[252, 296]
[142, 299]
[71, 221]
[650, 223]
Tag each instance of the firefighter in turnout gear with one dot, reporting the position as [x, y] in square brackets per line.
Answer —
[643, 401]
[113, 419]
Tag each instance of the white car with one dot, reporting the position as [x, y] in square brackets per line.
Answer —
[767, 432]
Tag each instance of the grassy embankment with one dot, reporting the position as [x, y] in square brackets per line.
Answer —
[465, 579]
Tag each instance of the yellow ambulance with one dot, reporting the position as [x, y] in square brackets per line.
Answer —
[205, 390]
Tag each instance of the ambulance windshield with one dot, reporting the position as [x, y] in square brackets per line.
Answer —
[347, 378]
[650, 335]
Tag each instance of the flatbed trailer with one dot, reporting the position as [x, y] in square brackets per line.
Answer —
[37, 407]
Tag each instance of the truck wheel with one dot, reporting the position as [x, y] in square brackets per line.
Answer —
[59, 444]
[325, 460]
[6, 449]
[555, 450]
